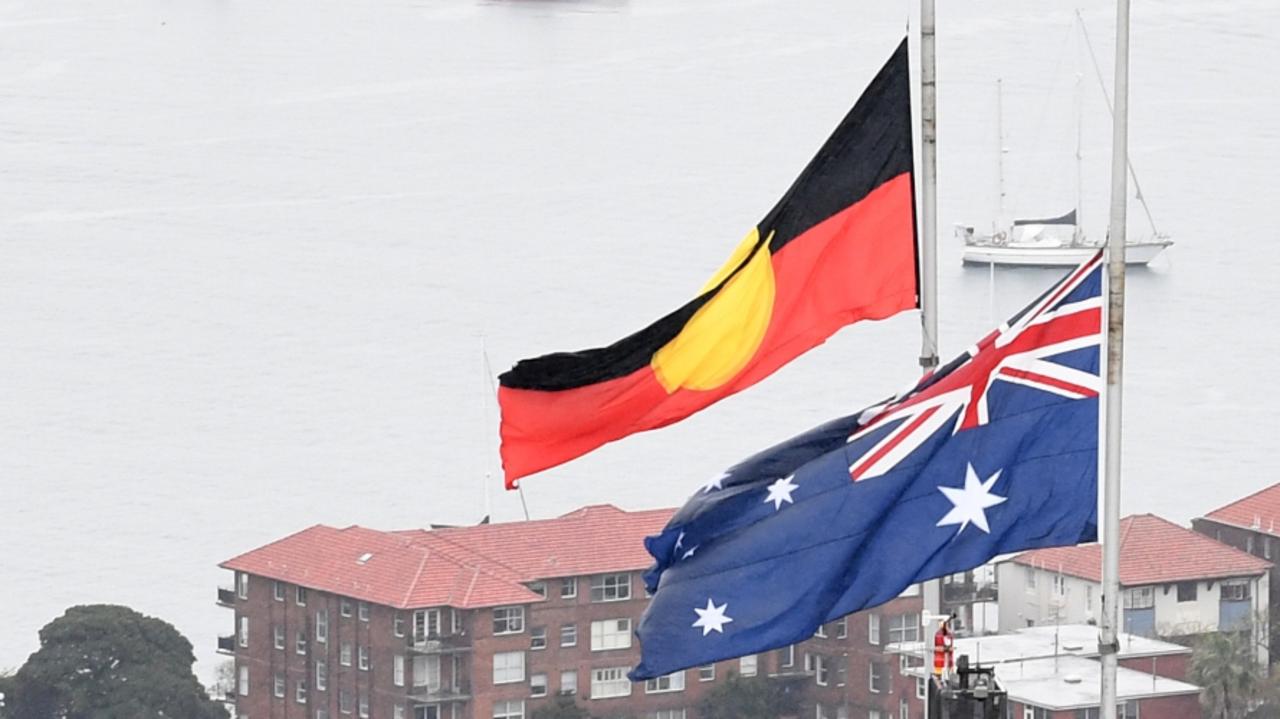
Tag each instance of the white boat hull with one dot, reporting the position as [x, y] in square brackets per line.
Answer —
[1137, 253]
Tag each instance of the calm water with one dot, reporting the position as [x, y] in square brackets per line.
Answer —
[253, 255]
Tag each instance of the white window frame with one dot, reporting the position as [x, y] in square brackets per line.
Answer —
[300, 643]
[242, 636]
[749, 665]
[362, 657]
[821, 671]
[673, 682]
[277, 590]
[322, 625]
[538, 681]
[611, 587]
[569, 638]
[538, 588]
[874, 677]
[397, 624]
[322, 675]
[508, 667]
[300, 595]
[344, 607]
[1245, 593]
[610, 682]
[610, 634]
[397, 670]
[277, 636]
[569, 588]
[508, 620]
[508, 709]
[569, 687]
[345, 654]
[242, 683]
[707, 673]
[300, 691]
[364, 705]
[873, 629]
[277, 686]
[1141, 598]
[537, 638]
[362, 610]
[242, 585]
[904, 628]
[842, 628]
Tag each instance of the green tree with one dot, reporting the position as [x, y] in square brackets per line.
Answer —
[750, 698]
[109, 662]
[564, 707]
[1224, 664]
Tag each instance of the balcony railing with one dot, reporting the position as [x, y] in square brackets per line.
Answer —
[226, 597]
[227, 644]
[440, 644]
[965, 592]
[442, 693]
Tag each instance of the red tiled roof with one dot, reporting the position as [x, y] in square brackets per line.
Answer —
[466, 567]
[1152, 550]
[1259, 511]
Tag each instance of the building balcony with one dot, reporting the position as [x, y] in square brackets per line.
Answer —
[437, 694]
[440, 644]
[227, 644]
[968, 592]
[226, 597]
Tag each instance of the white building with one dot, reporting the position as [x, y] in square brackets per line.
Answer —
[1174, 582]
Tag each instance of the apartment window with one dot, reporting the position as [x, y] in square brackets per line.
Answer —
[1187, 591]
[538, 685]
[904, 628]
[821, 672]
[426, 672]
[922, 687]
[611, 682]
[822, 632]
[277, 636]
[277, 591]
[1127, 710]
[322, 625]
[842, 670]
[842, 627]
[344, 607]
[300, 643]
[876, 677]
[904, 709]
[706, 672]
[363, 610]
[1235, 591]
[300, 596]
[539, 588]
[1030, 575]
[364, 658]
[243, 684]
[344, 654]
[397, 670]
[508, 667]
[1059, 585]
[1035, 713]
[426, 624]
[569, 682]
[748, 665]
[511, 709]
[670, 683]
[610, 587]
[873, 628]
[1142, 598]
[345, 702]
[508, 620]
[568, 635]
[242, 585]
[322, 676]
[397, 625]
[431, 712]
[277, 685]
[569, 588]
[538, 638]
[244, 631]
[364, 705]
[787, 656]
[300, 692]
[455, 619]
[610, 634]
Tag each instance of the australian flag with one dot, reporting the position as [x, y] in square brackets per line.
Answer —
[995, 452]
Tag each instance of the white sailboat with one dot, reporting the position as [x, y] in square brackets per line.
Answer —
[1055, 241]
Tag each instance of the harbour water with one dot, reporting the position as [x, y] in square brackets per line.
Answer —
[254, 257]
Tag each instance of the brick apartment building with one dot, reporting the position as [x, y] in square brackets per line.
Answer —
[1251, 524]
[493, 621]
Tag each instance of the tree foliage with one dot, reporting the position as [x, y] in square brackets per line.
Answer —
[110, 662]
[563, 707]
[750, 698]
[1224, 664]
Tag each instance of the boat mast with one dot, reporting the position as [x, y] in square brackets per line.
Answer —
[1079, 231]
[1000, 149]
[929, 189]
[1108, 644]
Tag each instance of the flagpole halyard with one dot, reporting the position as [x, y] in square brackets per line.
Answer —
[1108, 644]
[928, 188]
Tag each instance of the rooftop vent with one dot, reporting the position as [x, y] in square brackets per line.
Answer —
[364, 558]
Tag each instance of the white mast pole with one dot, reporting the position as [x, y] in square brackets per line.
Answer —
[1115, 356]
[1079, 232]
[929, 189]
[1000, 147]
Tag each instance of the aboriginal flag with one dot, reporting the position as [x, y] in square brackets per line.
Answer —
[838, 248]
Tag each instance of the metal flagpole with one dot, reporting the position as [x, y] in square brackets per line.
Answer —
[1108, 645]
[928, 189]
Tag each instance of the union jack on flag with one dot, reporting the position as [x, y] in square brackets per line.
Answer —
[995, 452]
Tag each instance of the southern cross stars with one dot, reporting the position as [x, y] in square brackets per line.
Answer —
[971, 502]
[716, 482]
[780, 491]
[712, 619]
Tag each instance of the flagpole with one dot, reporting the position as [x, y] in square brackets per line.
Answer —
[928, 189]
[1108, 645]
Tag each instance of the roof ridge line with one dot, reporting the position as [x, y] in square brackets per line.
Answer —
[1244, 498]
[426, 554]
[482, 556]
